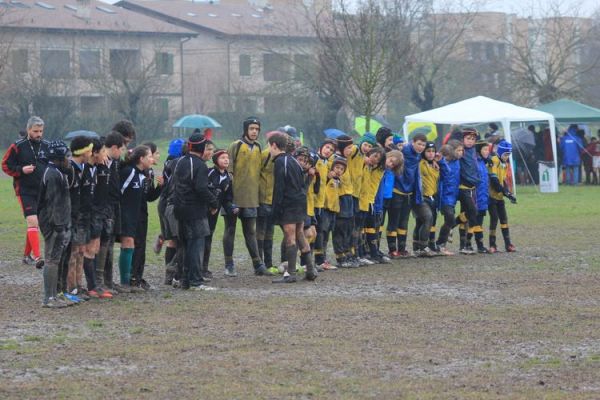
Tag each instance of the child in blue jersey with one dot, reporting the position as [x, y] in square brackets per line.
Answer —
[448, 190]
[483, 195]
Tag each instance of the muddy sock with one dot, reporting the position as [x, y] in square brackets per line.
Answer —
[291, 253]
[27, 250]
[90, 273]
[268, 253]
[391, 241]
[492, 238]
[125, 265]
[505, 235]
[462, 232]
[308, 261]
[169, 254]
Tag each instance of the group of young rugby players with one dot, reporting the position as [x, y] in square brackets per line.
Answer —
[86, 196]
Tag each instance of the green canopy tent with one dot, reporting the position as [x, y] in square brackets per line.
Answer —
[569, 111]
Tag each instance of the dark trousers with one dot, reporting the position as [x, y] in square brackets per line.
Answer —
[212, 224]
[192, 235]
[497, 210]
[342, 236]
[449, 224]
[325, 225]
[398, 214]
[264, 235]
[249, 230]
[421, 224]
[423, 215]
[371, 228]
[55, 244]
[139, 252]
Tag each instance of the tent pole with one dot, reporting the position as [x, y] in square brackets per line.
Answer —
[508, 137]
[551, 122]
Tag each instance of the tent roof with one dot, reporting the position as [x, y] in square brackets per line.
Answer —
[479, 109]
[565, 110]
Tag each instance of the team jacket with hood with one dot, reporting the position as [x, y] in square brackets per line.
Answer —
[371, 179]
[449, 182]
[483, 194]
[191, 195]
[469, 173]
[289, 187]
[245, 167]
[410, 180]
[322, 169]
[54, 201]
[20, 154]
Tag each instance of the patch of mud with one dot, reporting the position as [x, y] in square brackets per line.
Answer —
[99, 368]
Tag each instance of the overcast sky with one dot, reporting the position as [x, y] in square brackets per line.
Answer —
[537, 7]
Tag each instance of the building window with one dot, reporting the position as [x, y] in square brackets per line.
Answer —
[164, 64]
[92, 104]
[246, 105]
[125, 64]
[245, 65]
[301, 67]
[276, 68]
[20, 60]
[55, 63]
[89, 63]
[275, 105]
[162, 109]
[474, 51]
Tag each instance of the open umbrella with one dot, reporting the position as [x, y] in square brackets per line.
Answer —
[198, 121]
[523, 136]
[74, 134]
[333, 133]
[426, 128]
[377, 121]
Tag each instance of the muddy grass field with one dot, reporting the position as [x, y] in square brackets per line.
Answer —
[523, 325]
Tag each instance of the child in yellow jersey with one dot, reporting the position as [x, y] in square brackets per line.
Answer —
[344, 223]
[499, 189]
[331, 208]
[430, 177]
[357, 166]
[371, 179]
[322, 167]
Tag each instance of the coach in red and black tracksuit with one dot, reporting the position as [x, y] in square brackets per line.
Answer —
[26, 161]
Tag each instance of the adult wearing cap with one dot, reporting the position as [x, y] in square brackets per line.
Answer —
[25, 161]
[245, 166]
[192, 201]
[54, 211]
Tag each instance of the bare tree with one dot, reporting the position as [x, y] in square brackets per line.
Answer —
[438, 46]
[364, 50]
[548, 54]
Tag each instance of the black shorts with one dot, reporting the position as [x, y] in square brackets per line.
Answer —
[80, 232]
[101, 226]
[29, 204]
[129, 222]
[294, 215]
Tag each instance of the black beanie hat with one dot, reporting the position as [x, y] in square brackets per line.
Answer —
[343, 141]
[328, 141]
[382, 134]
[197, 142]
[429, 145]
[249, 121]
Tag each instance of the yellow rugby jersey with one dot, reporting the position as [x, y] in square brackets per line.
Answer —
[245, 167]
[323, 169]
[500, 169]
[310, 197]
[356, 164]
[430, 177]
[371, 178]
[265, 186]
[332, 195]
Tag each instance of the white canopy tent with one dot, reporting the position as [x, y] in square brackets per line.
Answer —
[482, 109]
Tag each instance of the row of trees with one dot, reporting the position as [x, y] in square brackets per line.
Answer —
[368, 57]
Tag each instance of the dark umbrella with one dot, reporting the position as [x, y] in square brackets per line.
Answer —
[74, 134]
